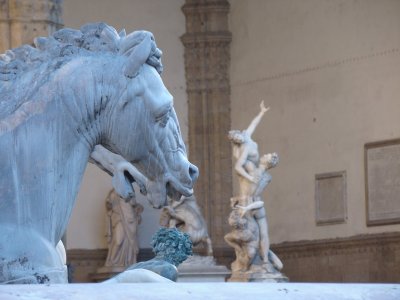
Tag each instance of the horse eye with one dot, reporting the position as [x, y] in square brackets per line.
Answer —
[163, 118]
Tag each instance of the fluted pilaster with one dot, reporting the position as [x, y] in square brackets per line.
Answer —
[207, 58]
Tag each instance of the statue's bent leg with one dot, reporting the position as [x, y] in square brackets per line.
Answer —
[261, 219]
[274, 259]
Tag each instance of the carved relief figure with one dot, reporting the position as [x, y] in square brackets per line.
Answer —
[186, 216]
[123, 218]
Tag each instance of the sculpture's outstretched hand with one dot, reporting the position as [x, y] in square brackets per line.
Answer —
[257, 119]
[263, 108]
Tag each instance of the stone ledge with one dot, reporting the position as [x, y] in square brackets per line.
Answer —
[359, 243]
[194, 291]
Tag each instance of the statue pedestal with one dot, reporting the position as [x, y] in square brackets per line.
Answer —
[257, 277]
[202, 269]
[258, 274]
[105, 273]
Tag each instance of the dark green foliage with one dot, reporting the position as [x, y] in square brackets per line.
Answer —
[171, 245]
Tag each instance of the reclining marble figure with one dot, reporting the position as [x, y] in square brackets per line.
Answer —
[80, 94]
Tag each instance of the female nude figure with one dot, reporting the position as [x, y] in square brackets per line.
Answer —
[253, 179]
[245, 150]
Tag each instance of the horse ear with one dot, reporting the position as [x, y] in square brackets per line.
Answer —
[138, 57]
[110, 35]
[122, 33]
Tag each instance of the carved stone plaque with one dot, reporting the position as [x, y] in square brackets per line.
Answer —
[330, 198]
[382, 172]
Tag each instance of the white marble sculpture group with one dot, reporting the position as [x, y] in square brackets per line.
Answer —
[249, 236]
[77, 95]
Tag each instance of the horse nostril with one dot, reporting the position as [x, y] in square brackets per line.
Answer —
[193, 172]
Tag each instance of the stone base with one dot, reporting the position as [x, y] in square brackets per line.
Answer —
[202, 269]
[257, 277]
[259, 273]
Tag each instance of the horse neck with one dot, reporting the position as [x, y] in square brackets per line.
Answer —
[86, 108]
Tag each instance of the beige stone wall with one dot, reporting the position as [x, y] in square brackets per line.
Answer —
[166, 21]
[23, 20]
[330, 72]
[365, 258]
[328, 69]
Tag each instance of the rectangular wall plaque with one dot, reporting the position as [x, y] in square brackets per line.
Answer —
[382, 182]
[330, 198]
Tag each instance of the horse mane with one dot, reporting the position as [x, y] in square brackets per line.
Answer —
[64, 43]
[50, 53]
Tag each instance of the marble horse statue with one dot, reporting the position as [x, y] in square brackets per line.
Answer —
[78, 95]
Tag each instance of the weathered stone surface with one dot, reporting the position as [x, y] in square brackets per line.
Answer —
[197, 291]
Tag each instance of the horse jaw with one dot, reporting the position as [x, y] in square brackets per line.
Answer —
[157, 191]
[175, 189]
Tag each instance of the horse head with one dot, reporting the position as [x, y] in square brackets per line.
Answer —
[143, 127]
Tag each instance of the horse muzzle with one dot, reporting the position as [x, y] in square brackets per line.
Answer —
[193, 175]
[183, 183]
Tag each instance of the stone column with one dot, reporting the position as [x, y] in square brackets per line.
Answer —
[23, 20]
[207, 58]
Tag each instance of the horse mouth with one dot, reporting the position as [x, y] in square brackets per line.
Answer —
[159, 190]
[176, 191]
